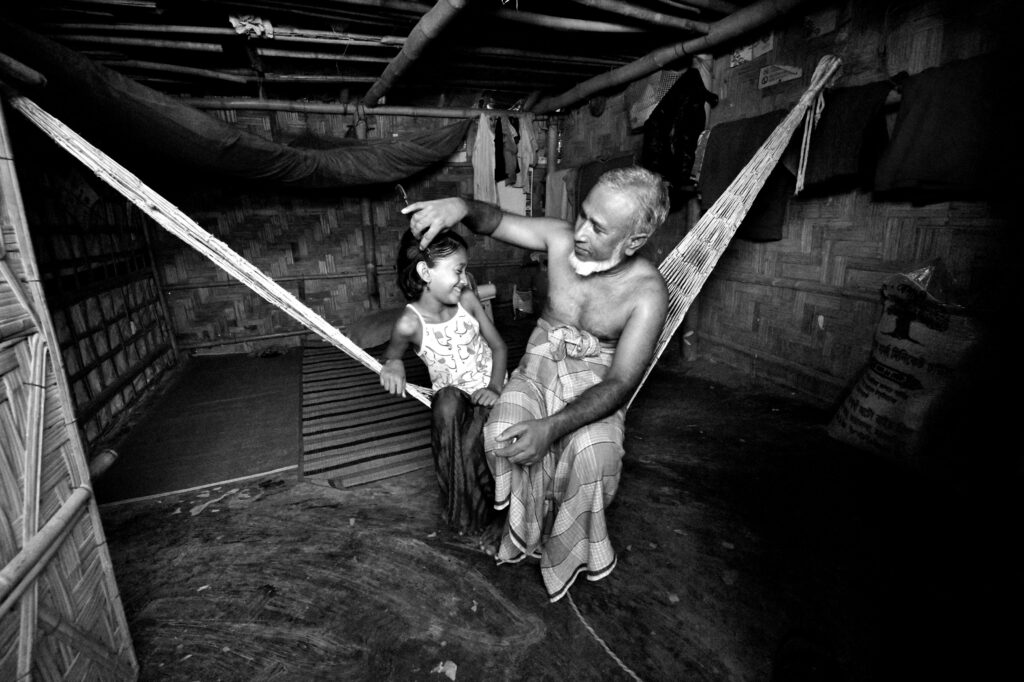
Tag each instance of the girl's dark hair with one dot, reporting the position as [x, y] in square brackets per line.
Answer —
[409, 254]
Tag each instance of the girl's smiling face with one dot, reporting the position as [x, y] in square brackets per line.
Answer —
[447, 278]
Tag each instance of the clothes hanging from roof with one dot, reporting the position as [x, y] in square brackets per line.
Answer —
[672, 129]
[526, 150]
[730, 147]
[508, 150]
[144, 128]
[848, 139]
[484, 187]
[560, 194]
[946, 138]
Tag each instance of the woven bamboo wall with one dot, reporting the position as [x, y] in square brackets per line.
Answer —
[800, 312]
[97, 270]
[310, 242]
[60, 611]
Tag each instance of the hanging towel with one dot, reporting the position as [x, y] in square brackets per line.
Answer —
[527, 148]
[484, 187]
[730, 147]
[947, 133]
[848, 140]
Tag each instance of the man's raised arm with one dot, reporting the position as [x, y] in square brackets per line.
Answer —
[430, 217]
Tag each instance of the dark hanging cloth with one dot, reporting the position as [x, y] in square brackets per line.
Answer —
[591, 171]
[730, 147]
[138, 125]
[671, 131]
[947, 140]
[848, 140]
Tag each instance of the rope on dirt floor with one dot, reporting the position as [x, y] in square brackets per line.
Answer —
[601, 641]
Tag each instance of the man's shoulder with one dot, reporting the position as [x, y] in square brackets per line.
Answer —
[645, 274]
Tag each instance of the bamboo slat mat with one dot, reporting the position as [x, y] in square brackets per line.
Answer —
[352, 431]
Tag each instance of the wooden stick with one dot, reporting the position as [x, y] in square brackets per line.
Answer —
[14, 573]
[177, 223]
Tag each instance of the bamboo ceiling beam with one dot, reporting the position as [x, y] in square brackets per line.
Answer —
[328, 56]
[644, 14]
[719, 6]
[143, 42]
[426, 29]
[564, 23]
[528, 55]
[20, 72]
[739, 23]
[344, 108]
[281, 33]
[118, 64]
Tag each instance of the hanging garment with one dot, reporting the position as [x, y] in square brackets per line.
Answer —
[526, 149]
[730, 146]
[848, 139]
[508, 150]
[949, 135]
[673, 128]
[484, 187]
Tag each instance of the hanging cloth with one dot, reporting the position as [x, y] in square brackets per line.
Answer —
[484, 188]
[526, 149]
[509, 152]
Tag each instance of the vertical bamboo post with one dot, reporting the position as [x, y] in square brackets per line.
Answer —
[369, 236]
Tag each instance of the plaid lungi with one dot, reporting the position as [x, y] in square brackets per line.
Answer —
[556, 505]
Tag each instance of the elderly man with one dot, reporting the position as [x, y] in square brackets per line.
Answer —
[554, 440]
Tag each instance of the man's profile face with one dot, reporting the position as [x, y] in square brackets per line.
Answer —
[602, 232]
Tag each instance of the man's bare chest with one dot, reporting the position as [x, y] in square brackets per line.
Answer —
[599, 309]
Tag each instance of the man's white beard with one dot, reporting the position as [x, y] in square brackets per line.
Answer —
[590, 267]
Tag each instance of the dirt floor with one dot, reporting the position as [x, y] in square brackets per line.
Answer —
[751, 547]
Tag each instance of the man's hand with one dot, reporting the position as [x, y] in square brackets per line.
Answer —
[484, 396]
[528, 441]
[430, 217]
[392, 377]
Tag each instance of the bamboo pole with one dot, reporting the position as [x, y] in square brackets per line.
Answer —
[369, 235]
[644, 14]
[20, 72]
[14, 573]
[281, 33]
[332, 56]
[34, 420]
[189, 45]
[719, 6]
[344, 108]
[174, 68]
[564, 23]
[426, 29]
[743, 21]
[177, 223]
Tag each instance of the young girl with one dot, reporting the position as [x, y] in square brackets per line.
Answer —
[465, 356]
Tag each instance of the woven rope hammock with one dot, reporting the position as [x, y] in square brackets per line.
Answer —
[685, 269]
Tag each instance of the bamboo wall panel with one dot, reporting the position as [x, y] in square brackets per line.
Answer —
[105, 304]
[60, 611]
